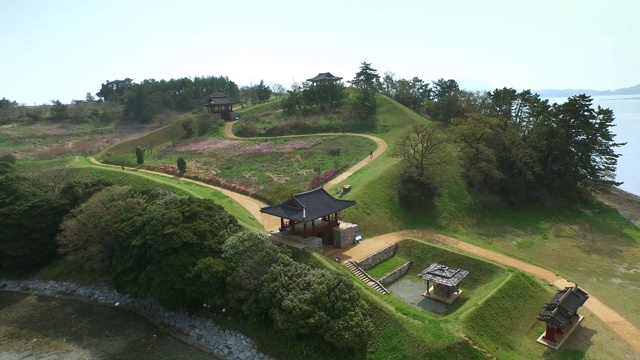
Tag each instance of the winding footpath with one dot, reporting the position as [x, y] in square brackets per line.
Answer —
[614, 321]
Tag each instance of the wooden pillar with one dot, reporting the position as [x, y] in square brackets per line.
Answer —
[304, 229]
[428, 287]
[281, 224]
[550, 334]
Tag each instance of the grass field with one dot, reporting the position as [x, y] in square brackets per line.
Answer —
[270, 168]
[80, 168]
[386, 267]
[602, 245]
[588, 243]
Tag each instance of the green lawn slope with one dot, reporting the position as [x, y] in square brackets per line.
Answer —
[588, 243]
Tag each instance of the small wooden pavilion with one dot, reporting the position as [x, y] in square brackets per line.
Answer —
[310, 213]
[221, 104]
[324, 77]
[446, 280]
[562, 311]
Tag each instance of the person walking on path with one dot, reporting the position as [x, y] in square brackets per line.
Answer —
[371, 154]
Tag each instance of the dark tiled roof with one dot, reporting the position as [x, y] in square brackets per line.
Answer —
[563, 306]
[324, 76]
[220, 100]
[443, 274]
[308, 205]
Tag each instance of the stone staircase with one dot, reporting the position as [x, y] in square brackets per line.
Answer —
[362, 275]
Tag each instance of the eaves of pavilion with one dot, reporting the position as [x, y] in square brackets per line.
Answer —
[309, 213]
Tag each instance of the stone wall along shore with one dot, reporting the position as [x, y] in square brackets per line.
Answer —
[200, 332]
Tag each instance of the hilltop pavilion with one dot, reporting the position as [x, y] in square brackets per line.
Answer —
[324, 77]
[222, 105]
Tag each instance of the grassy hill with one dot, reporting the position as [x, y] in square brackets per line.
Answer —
[587, 242]
[591, 234]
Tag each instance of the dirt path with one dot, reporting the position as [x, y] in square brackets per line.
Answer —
[614, 321]
[618, 324]
[252, 205]
[381, 148]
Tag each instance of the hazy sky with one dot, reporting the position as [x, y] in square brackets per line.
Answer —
[62, 49]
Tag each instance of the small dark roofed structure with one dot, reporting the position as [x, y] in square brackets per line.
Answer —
[309, 213]
[221, 104]
[562, 310]
[445, 279]
[324, 77]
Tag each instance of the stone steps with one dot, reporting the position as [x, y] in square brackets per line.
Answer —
[362, 275]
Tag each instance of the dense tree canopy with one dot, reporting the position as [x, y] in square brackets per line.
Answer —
[516, 145]
[144, 100]
[156, 250]
[314, 301]
[30, 214]
[317, 97]
[267, 285]
[423, 150]
[367, 83]
[31, 210]
[86, 231]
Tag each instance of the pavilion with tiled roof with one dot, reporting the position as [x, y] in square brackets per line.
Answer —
[309, 213]
[324, 77]
[446, 280]
[562, 310]
[221, 104]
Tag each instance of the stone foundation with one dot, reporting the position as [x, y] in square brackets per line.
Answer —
[344, 235]
[560, 338]
[297, 244]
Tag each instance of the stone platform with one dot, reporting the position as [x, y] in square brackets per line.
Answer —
[435, 295]
[560, 337]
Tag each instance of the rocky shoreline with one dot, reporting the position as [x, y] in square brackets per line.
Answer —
[197, 331]
[627, 204]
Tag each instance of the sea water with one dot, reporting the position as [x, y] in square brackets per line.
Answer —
[626, 110]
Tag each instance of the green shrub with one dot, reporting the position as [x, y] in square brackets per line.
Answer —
[182, 164]
[139, 155]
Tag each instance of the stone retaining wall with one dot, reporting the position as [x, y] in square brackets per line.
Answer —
[378, 257]
[394, 275]
[345, 235]
[201, 332]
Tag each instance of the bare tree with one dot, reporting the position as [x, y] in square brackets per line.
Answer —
[277, 89]
[175, 134]
[423, 148]
[55, 178]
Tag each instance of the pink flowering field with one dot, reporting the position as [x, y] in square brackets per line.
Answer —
[267, 168]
